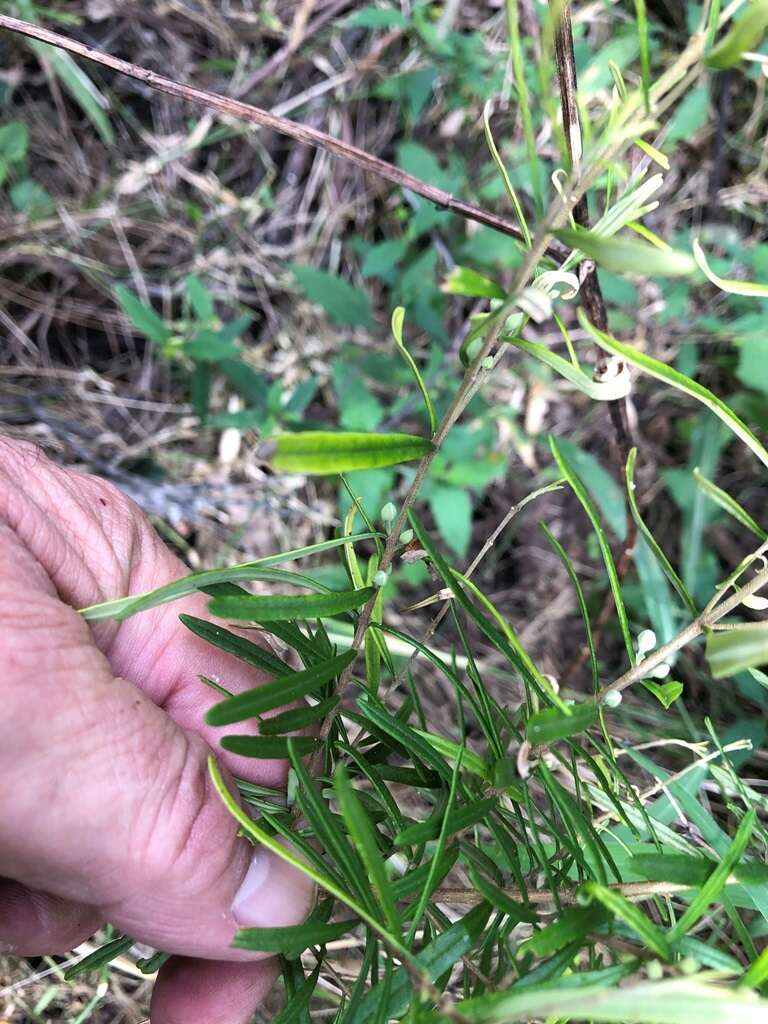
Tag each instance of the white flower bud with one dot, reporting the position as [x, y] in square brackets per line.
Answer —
[612, 699]
[380, 578]
[388, 513]
[406, 537]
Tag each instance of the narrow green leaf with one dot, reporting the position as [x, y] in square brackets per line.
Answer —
[284, 853]
[600, 391]
[731, 506]
[297, 718]
[515, 911]
[645, 55]
[581, 826]
[757, 974]
[734, 650]
[99, 957]
[143, 317]
[459, 819]
[727, 284]
[586, 502]
[715, 882]
[268, 747]
[628, 255]
[677, 1001]
[572, 925]
[620, 907]
[293, 939]
[746, 33]
[397, 331]
[551, 724]
[252, 654]
[362, 832]
[278, 692]
[653, 544]
[324, 452]
[280, 607]
[123, 607]
[328, 830]
[470, 761]
[295, 1010]
[678, 380]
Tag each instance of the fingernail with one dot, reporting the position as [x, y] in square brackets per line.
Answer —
[273, 893]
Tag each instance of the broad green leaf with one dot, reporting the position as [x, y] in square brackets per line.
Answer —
[99, 957]
[715, 882]
[452, 511]
[279, 607]
[362, 832]
[464, 281]
[209, 347]
[143, 317]
[344, 304]
[678, 380]
[247, 651]
[620, 907]
[296, 718]
[14, 141]
[746, 33]
[677, 1001]
[292, 940]
[199, 298]
[382, 258]
[628, 255]
[123, 607]
[727, 284]
[374, 17]
[268, 747]
[397, 331]
[733, 650]
[278, 692]
[672, 867]
[324, 452]
[552, 724]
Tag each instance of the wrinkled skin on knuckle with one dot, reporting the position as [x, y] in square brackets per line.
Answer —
[184, 833]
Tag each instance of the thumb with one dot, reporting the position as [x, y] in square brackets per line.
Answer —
[133, 826]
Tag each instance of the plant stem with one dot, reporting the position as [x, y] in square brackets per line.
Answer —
[711, 614]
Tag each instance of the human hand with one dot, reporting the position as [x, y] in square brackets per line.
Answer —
[107, 812]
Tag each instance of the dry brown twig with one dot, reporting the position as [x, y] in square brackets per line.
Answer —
[293, 129]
